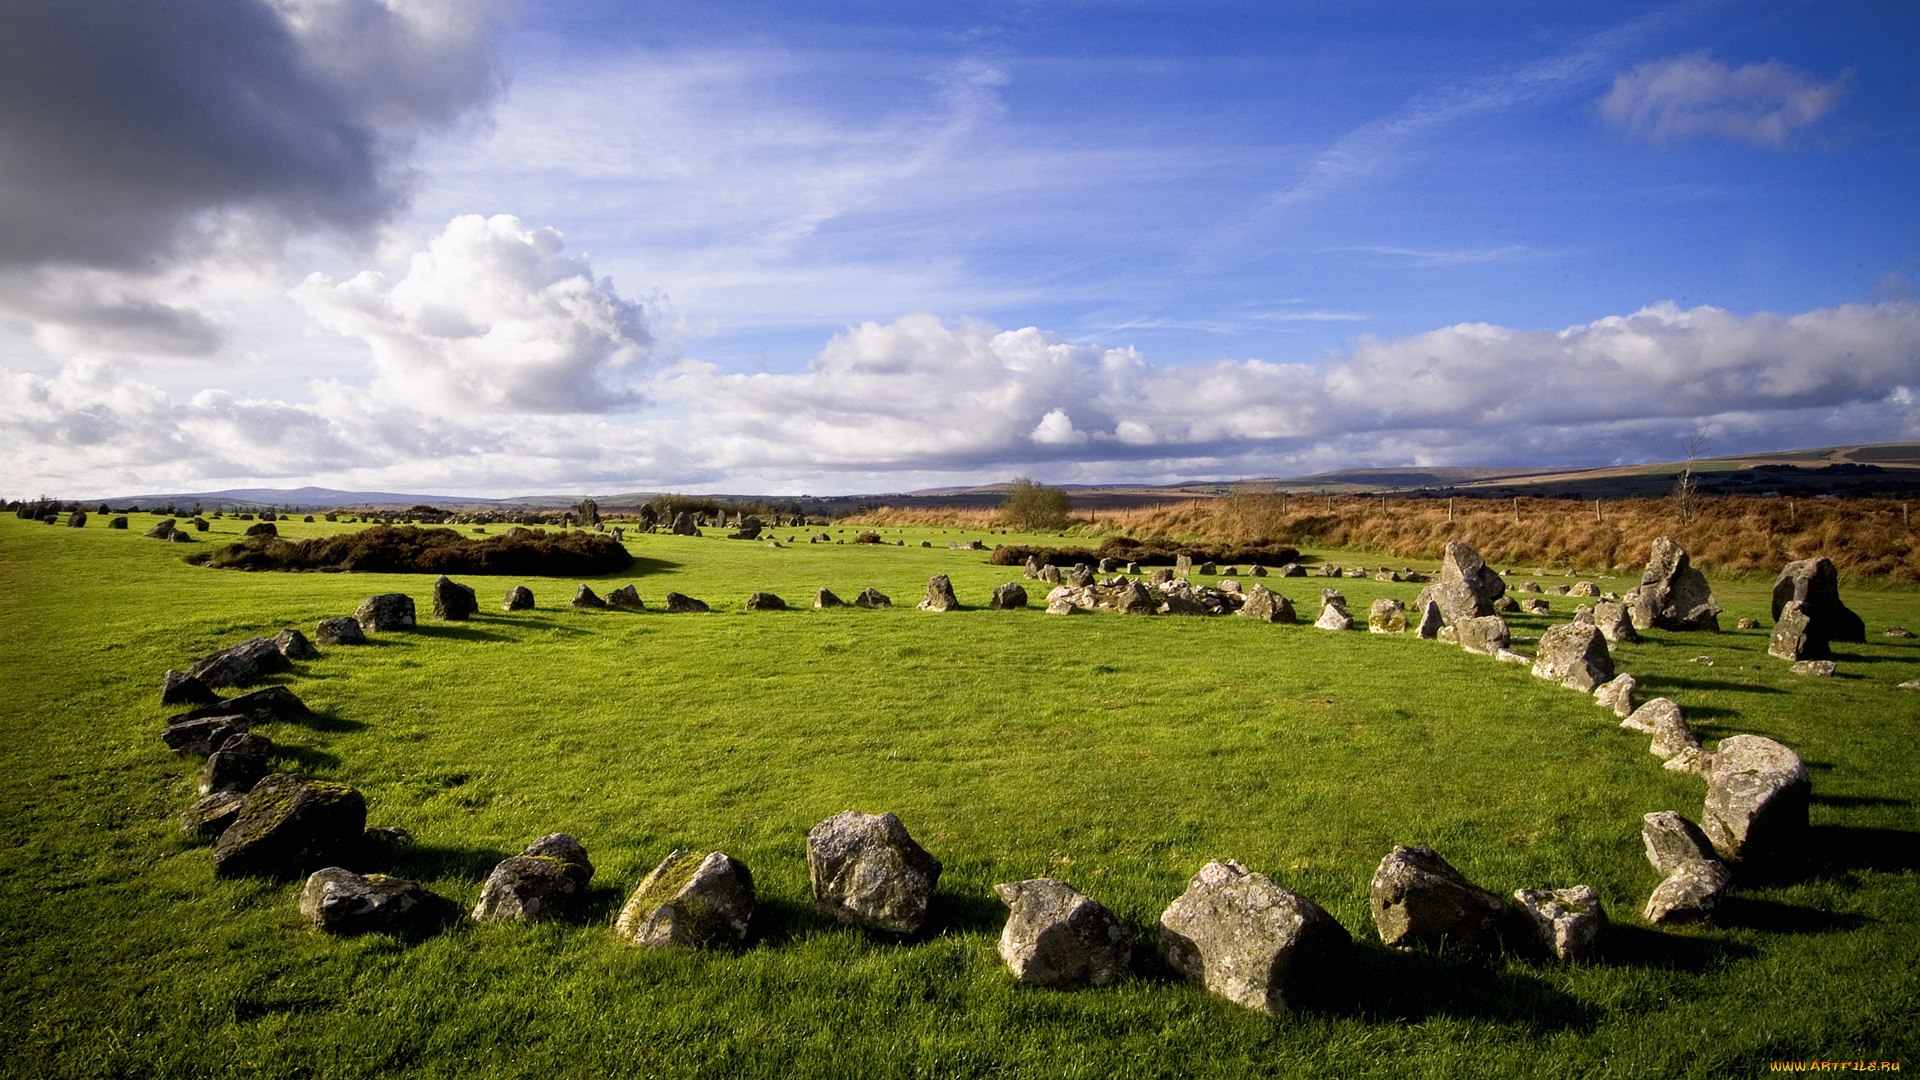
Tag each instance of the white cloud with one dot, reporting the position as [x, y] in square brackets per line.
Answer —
[491, 317]
[1693, 96]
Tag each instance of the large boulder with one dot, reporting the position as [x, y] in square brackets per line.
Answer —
[210, 814]
[1467, 587]
[1484, 634]
[1794, 638]
[453, 601]
[1575, 656]
[258, 706]
[1617, 694]
[584, 597]
[1058, 937]
[163, 529]
[1614, 622]
[681, 604]
[1815, 584]
[1267, 606]
[1387, 616]
[338, 901]
[1418, 899]
[518, 598]
[537, 884]
[684, 525]
[1672, 595]
[240, 762]
[1695, 880]
[202, 735]
[625, 598]
[824, 598]
[388, 611]
[1333, 617]
[1570, 921]
[1008, 596]
[690, 901]
[1757, 797]
[237, 665]
[872, 598]
[294, 645]
[1242, 936]
[1134, 598]
[939, 595]
[749, 529]
[866, 871]
[290, 826]
[765, 601]
[345, 630]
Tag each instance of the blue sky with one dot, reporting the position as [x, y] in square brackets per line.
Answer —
[598, 247]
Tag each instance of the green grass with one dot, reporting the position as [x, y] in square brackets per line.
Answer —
[1117, 753]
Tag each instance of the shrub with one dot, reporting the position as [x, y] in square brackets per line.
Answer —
[1034, 507]
[387, 549]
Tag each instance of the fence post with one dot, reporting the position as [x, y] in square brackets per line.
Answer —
[1449, 509]
[1516, 509]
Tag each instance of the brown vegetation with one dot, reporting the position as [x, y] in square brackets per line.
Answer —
[387, 549]
[1863, 537]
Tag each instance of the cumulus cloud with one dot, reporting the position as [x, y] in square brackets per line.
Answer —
[1692, 96]
[492, 316]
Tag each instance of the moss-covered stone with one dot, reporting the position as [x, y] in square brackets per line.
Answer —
[290, 826]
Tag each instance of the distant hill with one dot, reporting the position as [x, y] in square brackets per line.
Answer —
[1889, 470]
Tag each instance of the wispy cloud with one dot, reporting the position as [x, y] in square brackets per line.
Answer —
[1416, 257]
[1695, 96]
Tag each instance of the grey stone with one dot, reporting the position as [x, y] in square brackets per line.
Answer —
[1058, 937]
[1387, 616]
[1617, 694]
[1467, 588]
[1695, 879]
[239, 763]
[1267, 606]
[824, 598]
[872, 598]
[1815, 585]
[180, 688]
[625, 598]
[1570, 921]
[518, 598]
[1536, 607]
[452, 601]
[1575, 656]
[1814, 667]
[690, 901]
[1007, 597]
[248, 662]
[536, 885]
[290, 826]
[338, 901]
[584, 597]
[1484, 634]
[765, 601]
[681, 604]
[939, 595]
[210, 814]
[294, 645]
[1245, 938]
[1672, 595]
[1430, 620]
[388, 611]
[342, 631]
[202, 735]
[163, 529]
[866, 871]
[1757, 798]
[1334, 617]
[1418, 899]
[1615, 625]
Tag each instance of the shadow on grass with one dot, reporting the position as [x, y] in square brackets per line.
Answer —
[1859, 800]
[1777, 918]
[1657, 685]
[596, 907]
[1408, 987]
[1832, 849]
[429, 861]
[458, 631]
[305, 759]
[326, 721]
[778, 921]
[1637, 946]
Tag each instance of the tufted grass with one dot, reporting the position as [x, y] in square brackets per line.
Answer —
[1116, 753]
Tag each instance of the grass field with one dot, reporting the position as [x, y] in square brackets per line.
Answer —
[1117, 753]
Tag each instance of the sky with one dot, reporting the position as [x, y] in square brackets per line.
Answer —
[487, 248]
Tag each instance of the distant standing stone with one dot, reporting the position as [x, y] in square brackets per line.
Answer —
[1058, 937]
[294, 645]
[765, 601]
[939, 595]
[1430, 620]
[452, 601]
[872, 598]
[680, 604]
[342, 631]
[388, 611]
[626, 598]
[824, 598]
[584, 597]
[519, 598]
[1007, 597]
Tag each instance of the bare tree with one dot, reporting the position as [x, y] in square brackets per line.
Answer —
[1686, 490]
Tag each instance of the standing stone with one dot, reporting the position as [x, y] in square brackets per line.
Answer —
[690, 901]
[536, 884]
[1672, 595]
[294, 645]
[1256, 570]
[1757, 799]
[589, 513]
[824, 598]
[452, 601]
[1486, 634]
[388, 611]
[1240, 935]
[939, 595]
[519, 598]
[765, 601]
[625, 598]
[180, 688]
[1430, 620]
[1696, 879]
[1007, 597]
[338, 901]
[1033, 565]
[1050, 574]
[1134, 598]
[1267, 606]
[117, 522]
[866, 871]
[1467, 588]
[1575, 656]
[1614, 623]
[1387, 616]
[684, 525]
[1570, 921]
[1617, 694]
[1419, 899]
[240, 762]
[1794, 635]
[1816, 585]
[680, 604]
[290, 826]
[872, 598]
[341, 631]
[1671, 735]
[163, 529]
[1058, 937]
[1182, 565]
[77, 519]
[1334, 617]
[584, 597]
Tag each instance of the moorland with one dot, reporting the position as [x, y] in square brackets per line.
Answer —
[1116, 753]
